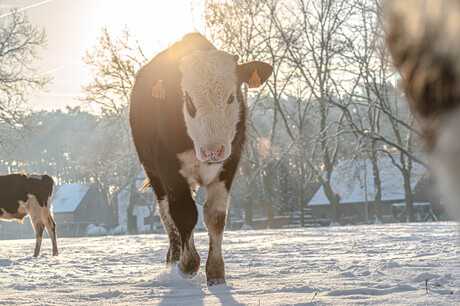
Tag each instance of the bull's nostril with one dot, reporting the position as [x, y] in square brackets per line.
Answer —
[212, 153]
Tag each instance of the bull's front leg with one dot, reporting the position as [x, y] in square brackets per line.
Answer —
[173, 254]
[184, 214]
[215, 214]
[180, 211]
[170, 228]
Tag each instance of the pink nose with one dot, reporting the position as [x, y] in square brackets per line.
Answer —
[212, 153]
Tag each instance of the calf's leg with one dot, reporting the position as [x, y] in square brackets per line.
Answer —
[36, 219]
[50, 227]
[215, 214]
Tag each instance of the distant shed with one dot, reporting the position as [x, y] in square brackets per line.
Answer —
[81, 203]
[75, 206]
[352, 180]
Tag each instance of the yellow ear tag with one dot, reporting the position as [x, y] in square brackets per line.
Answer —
[158, 91]
[254, 81]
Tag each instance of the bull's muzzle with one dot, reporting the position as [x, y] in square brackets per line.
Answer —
[212, 154]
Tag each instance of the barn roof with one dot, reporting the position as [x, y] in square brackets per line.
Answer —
[66, 198]
[347, 180]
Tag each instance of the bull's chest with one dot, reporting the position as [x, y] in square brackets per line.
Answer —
[196, 172]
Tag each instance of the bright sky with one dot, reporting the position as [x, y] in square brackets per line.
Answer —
[72, 27]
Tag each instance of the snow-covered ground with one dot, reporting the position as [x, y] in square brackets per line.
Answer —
[378, 264]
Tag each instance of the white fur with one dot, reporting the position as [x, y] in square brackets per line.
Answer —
[217, 195]
[35, 210]
[196, 172]
[209, 78]
[166, 219]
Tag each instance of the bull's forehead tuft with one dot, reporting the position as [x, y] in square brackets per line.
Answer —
[212, 70]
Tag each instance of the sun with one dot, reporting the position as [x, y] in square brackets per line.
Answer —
[155, 24]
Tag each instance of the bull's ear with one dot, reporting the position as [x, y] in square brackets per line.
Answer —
[254, 73]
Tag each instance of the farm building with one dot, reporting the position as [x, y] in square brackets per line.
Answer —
[353, 182]
[75, 206]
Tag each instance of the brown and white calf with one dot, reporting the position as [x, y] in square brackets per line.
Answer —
[22, 195]
[187, 116]
[424, 39]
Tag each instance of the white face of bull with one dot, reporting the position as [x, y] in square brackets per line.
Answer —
[211, 108]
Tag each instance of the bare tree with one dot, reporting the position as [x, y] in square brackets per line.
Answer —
[244, 27]
[332, 95]
[315, 39]
[20, 44]
[114, 62]
[373, 107]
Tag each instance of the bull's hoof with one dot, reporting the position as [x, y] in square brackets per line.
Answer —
[55, 253]
[216, 281]
[185, 274]
[36, 255]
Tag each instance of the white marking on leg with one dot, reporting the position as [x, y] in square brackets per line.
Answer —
[35, 176]
[166, 219]
[217, 194]
[215, 213]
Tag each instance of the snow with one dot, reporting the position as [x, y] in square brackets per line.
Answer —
[66, 198]
[120, 230]
[94, 230]
[347, 265]
[347, 180]
[144, 229]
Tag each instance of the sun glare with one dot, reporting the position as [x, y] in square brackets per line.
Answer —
[73, 28]
[156, 24]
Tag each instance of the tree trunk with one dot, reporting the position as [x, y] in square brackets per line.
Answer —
[435, 201]
[334, 200]
[132, 221]
[301, 204]
[248, 211]
[270, 212]
[409, 198]
[377, 184]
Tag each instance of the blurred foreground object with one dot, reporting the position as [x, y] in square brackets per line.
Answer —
[424, 39]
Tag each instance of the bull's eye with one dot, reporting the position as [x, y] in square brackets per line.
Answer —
[190, 106]
[231, 99]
